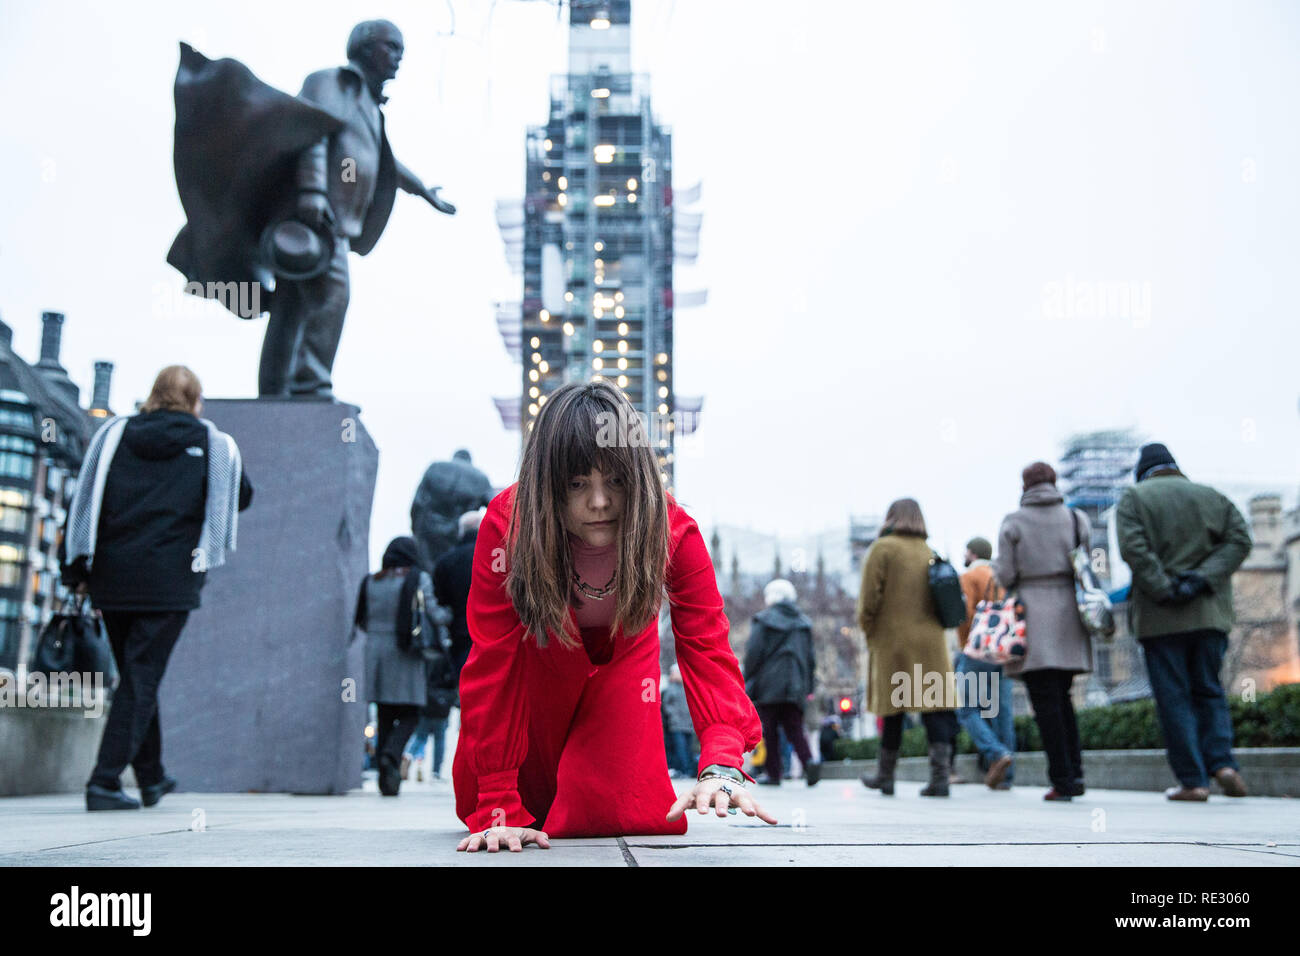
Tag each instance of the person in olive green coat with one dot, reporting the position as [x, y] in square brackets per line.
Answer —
[909, 669]
[1183, 541]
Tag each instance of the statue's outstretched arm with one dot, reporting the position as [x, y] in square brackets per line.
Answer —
[407, 181]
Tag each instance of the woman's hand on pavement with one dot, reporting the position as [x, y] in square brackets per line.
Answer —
[515, 838]
[709, 793]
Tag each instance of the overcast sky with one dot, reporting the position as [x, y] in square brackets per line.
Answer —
[912, 215]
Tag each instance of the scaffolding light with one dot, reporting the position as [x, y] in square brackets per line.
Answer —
[532, 375]
[662, 358]
[598, 346]
[622, 363]
[622, 345]
[599, 246]
[544, 367]
[535, 342]
[537, 357]
[598, 363]
[568, 297]
[562, 199]
[568, 328]
[631, 197]
[599, 200]
[534, 392]
[663, 391]
[546, 176]
[622, 326]
[618, 314]
[544, 315]
[663, 409]
[600, 93]
[622, 381]
[563, 182]
[604, 153]
[532, 408]
[600, 23]
[547, 145]
[631, 184]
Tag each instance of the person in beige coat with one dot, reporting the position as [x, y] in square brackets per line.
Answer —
[1033, 560]
[909, 668]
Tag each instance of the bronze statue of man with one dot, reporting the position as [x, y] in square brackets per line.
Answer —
[278, 189]
[346, 183]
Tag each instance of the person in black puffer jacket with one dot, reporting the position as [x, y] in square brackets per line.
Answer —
[146, 572]
[779, 666]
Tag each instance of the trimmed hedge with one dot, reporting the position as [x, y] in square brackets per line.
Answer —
[1273, 720]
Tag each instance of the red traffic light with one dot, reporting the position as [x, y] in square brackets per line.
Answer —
[846, 705]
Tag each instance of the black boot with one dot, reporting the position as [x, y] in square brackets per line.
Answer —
[884, 778]
[812, 773]
[155, 792]
[940, 755]
[102, 798]
[390, 780]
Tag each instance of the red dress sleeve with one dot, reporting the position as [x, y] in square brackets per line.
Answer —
[494, 718]
[724, 717]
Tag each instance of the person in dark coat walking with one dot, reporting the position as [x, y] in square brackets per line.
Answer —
[1182, 542]
[678, 729]
[451, 579]
[393, 602]
[154, 510]
[779, 668]
[1034, 546]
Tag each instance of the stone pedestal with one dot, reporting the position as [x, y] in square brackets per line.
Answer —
[254, 695]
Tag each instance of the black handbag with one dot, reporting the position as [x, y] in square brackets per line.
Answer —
[945, 589]
[74, 640]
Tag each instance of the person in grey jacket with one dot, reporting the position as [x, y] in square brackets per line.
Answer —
[779, 667]
[678, 727]
[1033, 559]
[392, 601]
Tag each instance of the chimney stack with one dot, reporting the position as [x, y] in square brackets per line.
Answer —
[51, 337]
[103, 385]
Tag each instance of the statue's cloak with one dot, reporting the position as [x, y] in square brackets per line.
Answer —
[237, 141]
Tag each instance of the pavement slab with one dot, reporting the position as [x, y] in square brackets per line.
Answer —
[838, 823]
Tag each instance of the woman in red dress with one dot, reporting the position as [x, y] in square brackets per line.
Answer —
[561, 733]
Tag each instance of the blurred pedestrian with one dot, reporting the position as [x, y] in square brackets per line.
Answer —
[1034, 546]
[678, 731]
[779, 673]
[451, 580]
[991, 730]
[1183, 541]
[829, 735]
[905, 640]
[391, 606]
[156, 507]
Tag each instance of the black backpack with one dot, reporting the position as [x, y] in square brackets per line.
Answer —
[945, 590]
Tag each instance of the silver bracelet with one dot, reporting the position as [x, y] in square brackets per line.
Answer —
[719, 776]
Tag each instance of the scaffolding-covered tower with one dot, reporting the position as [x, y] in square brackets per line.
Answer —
[594, 239]
[1095, 469]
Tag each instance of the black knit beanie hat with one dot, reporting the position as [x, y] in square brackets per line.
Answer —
[1151, 457]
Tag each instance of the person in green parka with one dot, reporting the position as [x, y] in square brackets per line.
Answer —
[1183, 541]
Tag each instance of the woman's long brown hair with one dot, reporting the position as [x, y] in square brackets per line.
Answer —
[585, 427]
